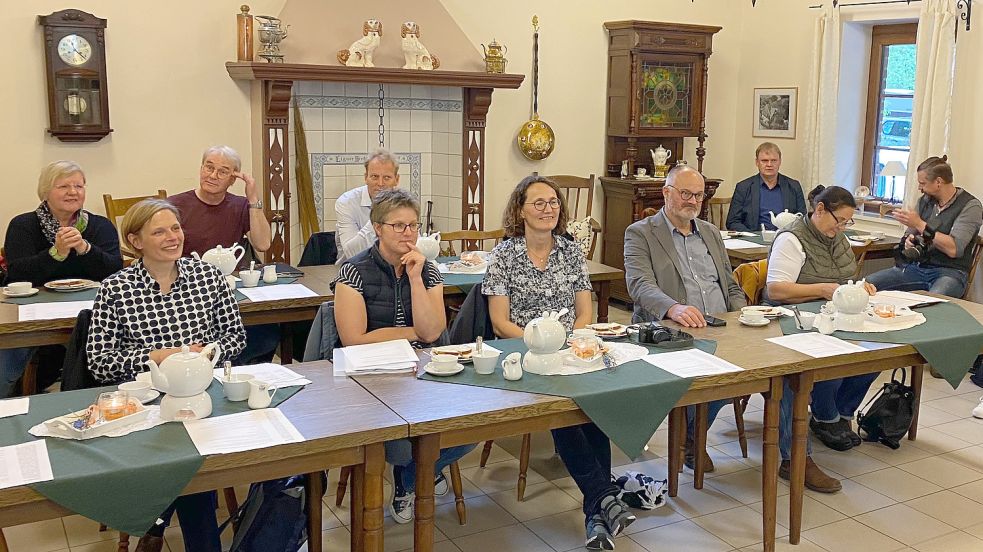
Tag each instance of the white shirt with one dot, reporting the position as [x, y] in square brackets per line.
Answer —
[353, 231]
[786, 259]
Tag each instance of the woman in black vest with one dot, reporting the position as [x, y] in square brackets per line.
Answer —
[390, 291]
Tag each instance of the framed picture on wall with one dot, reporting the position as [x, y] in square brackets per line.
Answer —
[774, 112]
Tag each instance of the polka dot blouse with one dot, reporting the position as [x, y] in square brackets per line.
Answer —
[131, 318]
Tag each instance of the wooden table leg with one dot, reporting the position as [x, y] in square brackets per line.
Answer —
[372, 498]
[426, 449]
[802, 386]
[769, 464]
[315, 492]
[286, 343]
[917, 373]
[524, 453]
[3, 542]
[603, 297]
[676, 417]
[356, 506]
[699, 444]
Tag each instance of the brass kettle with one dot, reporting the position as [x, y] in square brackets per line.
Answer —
[495, 57]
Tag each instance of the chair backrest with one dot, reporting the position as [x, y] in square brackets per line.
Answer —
[977, 252]
[469, 240]
[578, 191]
[323, 339]
[752, 278]
[116, 208]
[860, 252]
[718, 211]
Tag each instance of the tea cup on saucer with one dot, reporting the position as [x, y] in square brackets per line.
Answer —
[18, 288]
[139, 390]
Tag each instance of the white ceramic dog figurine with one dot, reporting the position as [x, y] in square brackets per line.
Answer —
[359, 54]
[416, 54]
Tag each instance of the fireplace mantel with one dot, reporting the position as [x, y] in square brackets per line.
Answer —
[277, 81]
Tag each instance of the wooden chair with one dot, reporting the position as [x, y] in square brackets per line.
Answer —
[469, 240]
[719, 206]
[116, 208]
[977, 253]
[860, 252]
[456, 485]
[579, 193]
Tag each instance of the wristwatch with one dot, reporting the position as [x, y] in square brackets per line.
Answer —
[257, 205]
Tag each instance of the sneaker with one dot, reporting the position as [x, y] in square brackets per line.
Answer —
[616, 515]
[598, 537]
[402, 507]
[831, 434]
[440, 486]
[978, 411]
[847, 426]
[816, 479]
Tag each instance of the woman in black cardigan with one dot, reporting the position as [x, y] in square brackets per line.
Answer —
[57, 240]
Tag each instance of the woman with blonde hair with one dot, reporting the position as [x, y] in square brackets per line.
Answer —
[147, 311]
[57, 240]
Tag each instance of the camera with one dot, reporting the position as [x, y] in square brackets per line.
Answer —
[918, 250]
[653, 333]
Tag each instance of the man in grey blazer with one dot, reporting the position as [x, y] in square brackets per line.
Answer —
[676, 267]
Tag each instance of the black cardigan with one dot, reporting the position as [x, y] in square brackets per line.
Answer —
[28, 259]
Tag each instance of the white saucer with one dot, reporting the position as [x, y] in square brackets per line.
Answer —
[27, 293]
[150, 396]
[430, 370]
[764, 322]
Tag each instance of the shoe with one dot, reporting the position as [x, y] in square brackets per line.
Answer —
[150, 543]
[978, 411]
[689, 457]
[402, 507]
[616, 515]
[440, 486]
[816, 479]
[847, 427]
[598, 537]
[831, 434]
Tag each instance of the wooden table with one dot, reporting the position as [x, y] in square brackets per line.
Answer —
[881, 249]
[343, 425]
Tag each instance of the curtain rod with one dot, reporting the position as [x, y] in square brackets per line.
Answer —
[965, 7]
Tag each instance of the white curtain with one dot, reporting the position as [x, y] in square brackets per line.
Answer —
[820, 109]
[934, 70]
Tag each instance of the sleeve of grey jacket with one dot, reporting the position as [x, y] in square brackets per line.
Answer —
[735, 295]
[643, 287]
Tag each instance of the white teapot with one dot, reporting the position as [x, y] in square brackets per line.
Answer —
[429, 245]
[660, 155]
[186, 373]
[850, 300]
[783, 219]
[225, 259]
[545, 334]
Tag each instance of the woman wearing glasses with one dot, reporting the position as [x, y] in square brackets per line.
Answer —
[390, 291]
[535, 270]
[808, 261]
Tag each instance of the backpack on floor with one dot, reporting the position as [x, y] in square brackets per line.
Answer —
[273, 517]
[887, 420]
[977, 371]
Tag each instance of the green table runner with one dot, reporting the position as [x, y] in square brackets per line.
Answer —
[45, 296]
[464, 282]
[628, 404]
[123, 482]
[280, 280]
[950, 339]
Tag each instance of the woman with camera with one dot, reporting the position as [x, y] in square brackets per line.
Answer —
[808, 260]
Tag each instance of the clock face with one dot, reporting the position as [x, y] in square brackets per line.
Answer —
[74, 50]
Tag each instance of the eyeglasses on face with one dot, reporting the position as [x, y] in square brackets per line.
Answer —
[540, 204]
[841, 223]
[400, 227]
[222, 172]
[688, 195]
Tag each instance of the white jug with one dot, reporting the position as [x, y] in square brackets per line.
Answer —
[260, 394]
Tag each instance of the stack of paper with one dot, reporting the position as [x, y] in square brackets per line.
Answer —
[741, 244]
[277, 292]
[273, 374]
[816, 345]
[24, 464]
[904, 299]
[51, 311]
[250, 430]
[376, 358]
[691, 363]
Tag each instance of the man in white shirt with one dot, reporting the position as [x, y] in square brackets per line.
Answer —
[354, 232]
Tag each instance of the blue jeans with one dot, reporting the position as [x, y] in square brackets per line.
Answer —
[400, 453]
[840, 398]
[713, 408]
[586, 453]
[196, 512]
[915, 277]
[261, 343]
[12, 364]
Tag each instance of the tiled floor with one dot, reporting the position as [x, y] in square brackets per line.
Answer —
[926, 496]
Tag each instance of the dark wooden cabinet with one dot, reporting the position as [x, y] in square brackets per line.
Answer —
[624, 203]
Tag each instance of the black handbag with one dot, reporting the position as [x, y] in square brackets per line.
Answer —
[887, 415]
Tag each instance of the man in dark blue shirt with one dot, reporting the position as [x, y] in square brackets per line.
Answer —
[767, 192]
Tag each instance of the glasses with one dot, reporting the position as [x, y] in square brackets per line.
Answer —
[841, 223]
[222, 172]
[688, 195]
[540, 204]
[400, 227]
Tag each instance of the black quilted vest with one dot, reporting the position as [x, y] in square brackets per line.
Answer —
[381, 290]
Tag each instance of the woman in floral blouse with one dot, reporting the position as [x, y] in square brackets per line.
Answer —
[538, 269]
[147, 312]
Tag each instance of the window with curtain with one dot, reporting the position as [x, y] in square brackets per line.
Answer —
[890, 95]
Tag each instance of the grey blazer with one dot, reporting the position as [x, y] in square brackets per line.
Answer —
[652, 268]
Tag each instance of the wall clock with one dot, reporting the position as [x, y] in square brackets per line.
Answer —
[75, 70]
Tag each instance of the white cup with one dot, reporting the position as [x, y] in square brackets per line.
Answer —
[269, 274]
[237, 387]
[807, 319]
[752, 315]
[486, 362]
[139, 390]
[768, 236]
[641, 171]
[250, 278]
[19, 287]
[443, 363]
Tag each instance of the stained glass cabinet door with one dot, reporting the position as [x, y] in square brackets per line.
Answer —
[668, 93]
